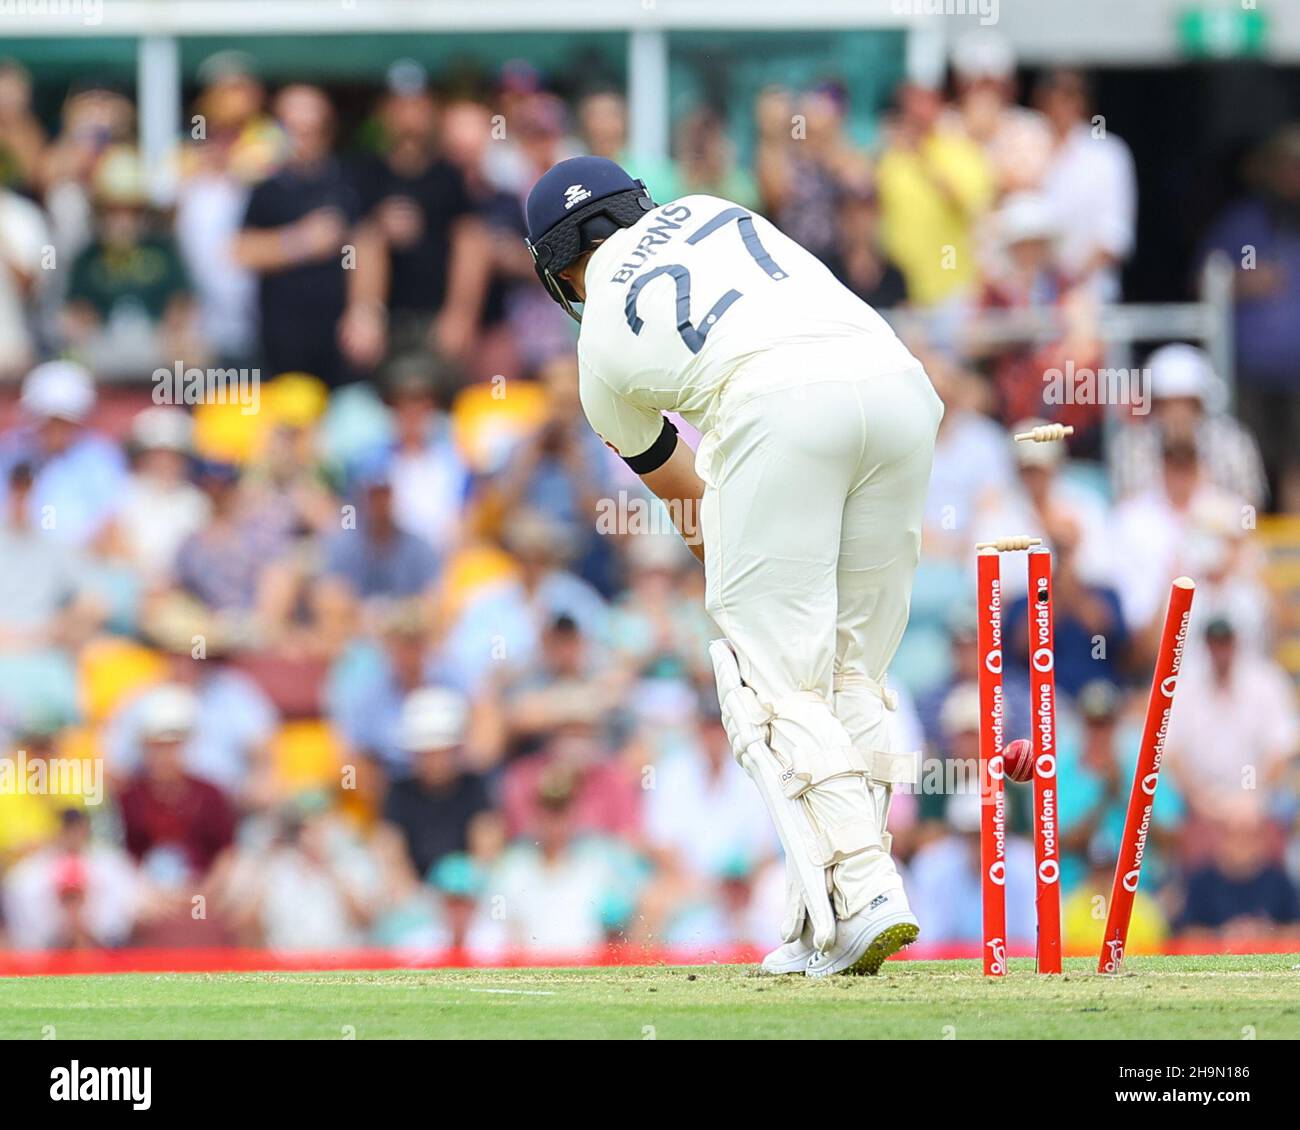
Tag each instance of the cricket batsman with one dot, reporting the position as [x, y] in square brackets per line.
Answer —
[818, 433]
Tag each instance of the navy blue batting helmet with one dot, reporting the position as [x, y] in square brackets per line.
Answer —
[574, 206]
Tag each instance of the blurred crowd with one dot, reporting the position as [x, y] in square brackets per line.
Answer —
[331, 651]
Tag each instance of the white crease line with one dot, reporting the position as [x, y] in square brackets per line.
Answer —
[518, 992]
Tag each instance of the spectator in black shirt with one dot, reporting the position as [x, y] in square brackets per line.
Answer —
[296, 233]
[434, 808]
[466, 136]
[1242, 889]
[859, 261]
[416, 203]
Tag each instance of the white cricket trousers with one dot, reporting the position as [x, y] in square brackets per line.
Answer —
[811, 520]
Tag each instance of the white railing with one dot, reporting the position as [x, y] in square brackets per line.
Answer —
[1122, 327]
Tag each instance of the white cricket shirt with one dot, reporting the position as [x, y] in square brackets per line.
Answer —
[702, 293]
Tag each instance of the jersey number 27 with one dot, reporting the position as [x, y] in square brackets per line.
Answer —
[693, 336]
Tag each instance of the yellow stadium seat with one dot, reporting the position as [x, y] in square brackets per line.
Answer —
[228, 433]
[306, 756]
[80, 743]
[111, 670]
[295, 400]
[489, 417]
[470, 570]
[225, 433]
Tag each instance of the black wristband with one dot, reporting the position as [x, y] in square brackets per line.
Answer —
[658, 452]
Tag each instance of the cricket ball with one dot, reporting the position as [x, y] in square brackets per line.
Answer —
[1018, 760]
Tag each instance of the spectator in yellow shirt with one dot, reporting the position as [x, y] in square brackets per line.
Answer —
[33, 797]
[1083, 913]
[934, 186]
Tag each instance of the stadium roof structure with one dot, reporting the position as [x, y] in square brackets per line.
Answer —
[1042, 31]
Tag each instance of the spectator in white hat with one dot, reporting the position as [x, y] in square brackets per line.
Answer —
[174, 824]
[1188, 404]
[434, 808]
[161, 507]
[228, 737]
[1018, 245]
[77, 473]
[1020, 248]
[1167, 529]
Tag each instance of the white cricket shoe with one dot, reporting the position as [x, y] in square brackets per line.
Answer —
[792, 957]
[864, 941]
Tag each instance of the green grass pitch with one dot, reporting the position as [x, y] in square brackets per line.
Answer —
[1159, 997]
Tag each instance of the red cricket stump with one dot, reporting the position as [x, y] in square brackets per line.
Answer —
[993, 809]
[1042, 674]
[1142, 794]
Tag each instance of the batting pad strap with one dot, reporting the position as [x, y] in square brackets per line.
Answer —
[887, 768]
[844, 841]
[807, 735]
[853, 681]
